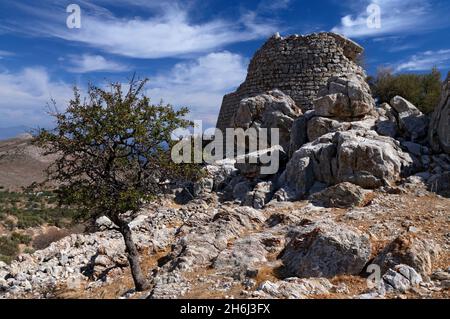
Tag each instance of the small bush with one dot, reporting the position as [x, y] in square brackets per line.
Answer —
[21, 238]
[9, 246]
[423, 90]
[44, 240]
[28, 250]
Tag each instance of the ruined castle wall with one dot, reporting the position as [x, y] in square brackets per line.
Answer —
[297, 65]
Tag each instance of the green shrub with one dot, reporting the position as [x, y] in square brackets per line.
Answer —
[20, 238]
[6, 259]
[28, 250]
[9, 246]
[423, 90]
[33, 209]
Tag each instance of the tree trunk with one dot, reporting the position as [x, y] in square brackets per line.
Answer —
[139, 279]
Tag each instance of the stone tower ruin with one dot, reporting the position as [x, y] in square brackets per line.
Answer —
[297, 65]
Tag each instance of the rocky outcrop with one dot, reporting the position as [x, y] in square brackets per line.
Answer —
[344, 98]
[242, 259]
[319, 126]
[298, 177]
[387, 122]
[342, 135]
[293, 288]
[221, 172]
[412, 122]
[343, 104]
[273, 109]
[326, 250]
[261, 163]
[343, 195]
[299, 132]
[439, 132]
[400, 278]
[360, 157]
[410, 250]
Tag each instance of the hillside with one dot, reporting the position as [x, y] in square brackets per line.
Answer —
[21, 163]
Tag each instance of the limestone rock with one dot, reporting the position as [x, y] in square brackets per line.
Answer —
[104, 223]
[344, 98]
[328, 250]
[241, 189]
[273, 109]
[299, 133]
[439, 132]
[298, 177]
[367, 159]
[401, 278]
[411, 121]
[261, 163]
[357, 156]
[440, 183]
[319, 126]
[415, 149]
[295, 288]
[386, 124]
[202, 238]
[260, 196]
[242, 259]
[343, 195]
[204, 185]
[220, 172]
[411, 250]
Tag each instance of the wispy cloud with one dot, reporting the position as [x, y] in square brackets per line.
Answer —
[25, 95]
[397, 17]
[274, 4]
[4, 54]
[200, 84]
[167, 32]
[91, 63]
[425, 61]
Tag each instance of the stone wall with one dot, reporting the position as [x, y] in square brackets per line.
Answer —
[297, 65]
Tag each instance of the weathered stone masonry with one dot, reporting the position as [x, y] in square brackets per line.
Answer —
[297, 65]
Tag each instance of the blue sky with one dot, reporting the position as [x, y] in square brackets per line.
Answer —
[192, 51]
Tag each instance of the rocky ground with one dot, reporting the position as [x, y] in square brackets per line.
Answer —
[207, 249]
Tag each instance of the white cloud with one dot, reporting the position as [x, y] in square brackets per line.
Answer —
[198, 84]
[25, 94]
[397, 16]
[425, 61]
[4, 54]
[201, 84]
[92, 63]
[167, 31]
